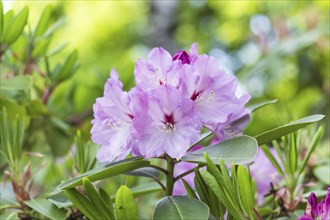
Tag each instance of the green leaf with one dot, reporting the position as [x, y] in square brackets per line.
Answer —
[239, 150]
[43, 21]
[316, 138]
[1, 19]
[323, 173]
[41, 47]
[69, 67]
[45, 207]
[272, 159]
[191, 193]
[102, 208]
[7, 19]
[275, 133]
[107, 199]
[293, 154]
[60, 200]
[245, 189]
[146, 188]
[16, 83]
[15, 27]
[82, 203]
[36, 108]
[226, 200]
[106, 171]
[181, 207]
[203, 136]
[145, 172]
[126, 207]
[201, 187]
[255, 107]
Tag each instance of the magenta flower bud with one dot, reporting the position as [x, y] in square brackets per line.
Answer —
[317, 211]
[183, 56]
[312, 206]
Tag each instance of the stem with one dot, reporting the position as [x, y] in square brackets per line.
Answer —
[188, 172]
[158, 168]
[257, 214]
[169, 176]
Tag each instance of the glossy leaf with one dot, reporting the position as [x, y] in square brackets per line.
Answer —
[275, 133]
[245, 189]
[43, 21]
[126, 207]
[82, 203]
[60, 200]
[238, 150]
[146, 188]
[102, 208]
[257, 106]
[46, 208]
[106, 171]
[145, 172]
[190, 192]
[107, 199]
[16, 27]
[181, 208]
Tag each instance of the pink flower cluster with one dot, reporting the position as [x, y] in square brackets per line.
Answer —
[173, 99]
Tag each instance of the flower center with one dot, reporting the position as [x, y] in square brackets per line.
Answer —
[118, 122]
[168, 124]
[204, 100]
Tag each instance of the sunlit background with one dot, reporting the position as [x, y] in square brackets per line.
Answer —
[278, 50]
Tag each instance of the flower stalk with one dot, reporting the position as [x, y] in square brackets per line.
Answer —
[169, 176]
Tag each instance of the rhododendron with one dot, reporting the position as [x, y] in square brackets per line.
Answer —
[316, 210]
[173, 99]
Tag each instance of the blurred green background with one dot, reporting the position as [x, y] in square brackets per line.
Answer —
[277, 49]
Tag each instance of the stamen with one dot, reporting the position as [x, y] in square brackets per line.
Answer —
[206, 100]
[117, 122]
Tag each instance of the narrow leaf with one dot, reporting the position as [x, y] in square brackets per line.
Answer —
[16, 27]
[245, 189]
[43, 21]
[46, 208]
[278, 132]
[82, 203]
[257, 106]
[99, 203]
[191, 193]
[1, 19]
[311, 148]
[106, 171]
[219, 192]
[272, 159]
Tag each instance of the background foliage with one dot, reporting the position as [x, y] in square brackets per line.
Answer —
[277, 50]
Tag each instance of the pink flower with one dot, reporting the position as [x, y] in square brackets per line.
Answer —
[169, 124]
[158, 70]
[112, 121]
